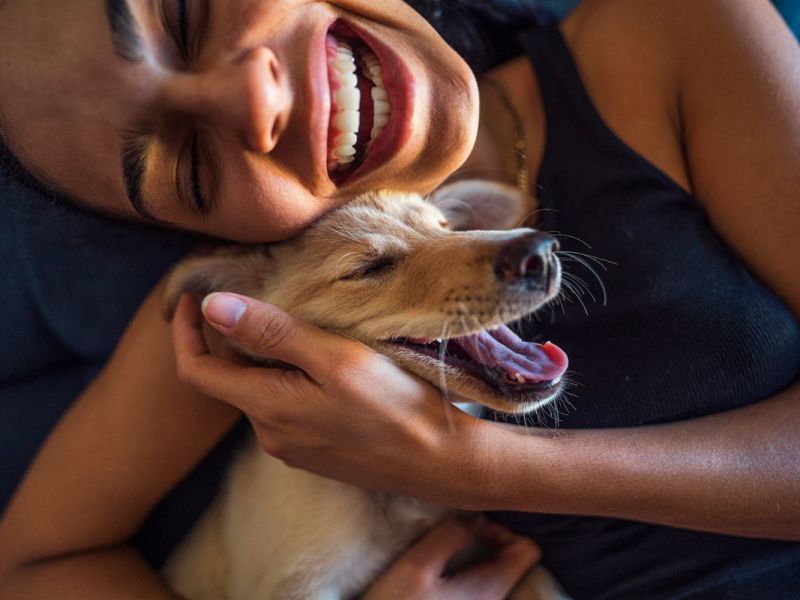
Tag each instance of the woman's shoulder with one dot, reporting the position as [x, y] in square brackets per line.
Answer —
[663, 34]
[627, 63]
[720, 78]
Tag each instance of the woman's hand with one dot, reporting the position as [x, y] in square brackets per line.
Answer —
[347, 413]
[417, 574]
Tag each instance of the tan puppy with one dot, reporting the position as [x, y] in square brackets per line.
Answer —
[420, 281]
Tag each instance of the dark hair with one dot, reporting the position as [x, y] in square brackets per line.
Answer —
[11, 167]
[481, 31]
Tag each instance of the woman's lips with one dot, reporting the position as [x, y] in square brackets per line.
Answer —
[364, 72]
[319, 103]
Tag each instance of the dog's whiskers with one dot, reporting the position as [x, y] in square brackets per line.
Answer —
[577, 286]
[583, 259]
[343, 257]
[342, 233]
[448, 407]
[569, 287]
[528, 216]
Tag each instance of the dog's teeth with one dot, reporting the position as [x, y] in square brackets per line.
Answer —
[557, 380]
[519, 378]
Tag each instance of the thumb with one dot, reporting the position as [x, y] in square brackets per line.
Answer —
[268, 331]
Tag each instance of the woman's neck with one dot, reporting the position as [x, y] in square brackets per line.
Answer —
[511, 116]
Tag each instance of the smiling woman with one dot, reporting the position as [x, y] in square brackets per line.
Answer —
[206, 101]
[191, 115]
[662, 134]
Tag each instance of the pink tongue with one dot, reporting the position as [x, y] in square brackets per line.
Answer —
[502, 348]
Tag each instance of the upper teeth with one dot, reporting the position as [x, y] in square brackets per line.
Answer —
[346, 117]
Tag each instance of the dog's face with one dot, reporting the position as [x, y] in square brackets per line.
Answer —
[399, 274]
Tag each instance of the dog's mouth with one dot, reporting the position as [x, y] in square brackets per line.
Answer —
[526, 373]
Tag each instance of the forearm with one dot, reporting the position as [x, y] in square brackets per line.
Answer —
[129, 438]
[109, 574]
[737, 472]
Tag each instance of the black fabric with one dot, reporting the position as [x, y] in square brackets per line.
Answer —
[71, 282]
[686, 331]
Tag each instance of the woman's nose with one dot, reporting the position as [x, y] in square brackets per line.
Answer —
[251, 97]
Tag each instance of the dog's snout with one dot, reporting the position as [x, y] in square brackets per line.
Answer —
[527, 259]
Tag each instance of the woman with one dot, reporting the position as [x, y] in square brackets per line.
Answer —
[696, 447]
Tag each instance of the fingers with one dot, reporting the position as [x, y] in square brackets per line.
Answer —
[496, 577]
[431, 552]
[244, 387]
[268, 331]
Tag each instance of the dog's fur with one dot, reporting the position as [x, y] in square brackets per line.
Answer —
[385, 266]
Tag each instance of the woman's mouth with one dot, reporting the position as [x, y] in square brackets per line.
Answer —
[360, 107]
[365, 109]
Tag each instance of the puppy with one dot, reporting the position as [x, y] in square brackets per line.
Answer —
[430, 284]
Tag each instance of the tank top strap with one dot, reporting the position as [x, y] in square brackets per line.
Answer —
[582, 155]
[569, 111]
[575, 129]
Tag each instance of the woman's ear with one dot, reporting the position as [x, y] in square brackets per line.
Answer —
[480, 204]
[242, 270]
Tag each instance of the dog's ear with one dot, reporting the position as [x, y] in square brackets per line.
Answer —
[242, 270]
[480, 204]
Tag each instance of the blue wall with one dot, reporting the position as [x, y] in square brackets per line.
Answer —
[791, 12]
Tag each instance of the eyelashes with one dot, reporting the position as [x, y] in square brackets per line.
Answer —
[185, 21]
[379, 266]
[196, 178]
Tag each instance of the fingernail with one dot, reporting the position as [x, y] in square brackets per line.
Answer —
[222, 309]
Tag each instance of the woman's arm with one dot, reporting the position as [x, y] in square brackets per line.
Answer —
[735, 69]
[735, 73]
[736, 472]
[352, 415]
[130, 437]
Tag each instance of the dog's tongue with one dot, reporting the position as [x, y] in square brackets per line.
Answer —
[502, 348]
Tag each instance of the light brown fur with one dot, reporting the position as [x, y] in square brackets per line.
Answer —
[441, 283]
[282, 533]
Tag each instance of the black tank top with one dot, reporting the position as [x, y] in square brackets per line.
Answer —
[679, 328]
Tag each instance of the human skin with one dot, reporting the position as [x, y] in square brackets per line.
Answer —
[65, 108]
[254, 91]
[714, 473]
[714, 70]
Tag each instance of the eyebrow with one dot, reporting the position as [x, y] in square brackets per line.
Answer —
[128, 45]
[134, 167]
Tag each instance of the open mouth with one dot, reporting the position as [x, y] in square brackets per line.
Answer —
[499, 358]
[360, 105]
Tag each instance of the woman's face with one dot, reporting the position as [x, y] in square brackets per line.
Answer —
[231, 117]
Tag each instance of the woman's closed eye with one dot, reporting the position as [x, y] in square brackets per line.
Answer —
[195, 177]
[186, 23]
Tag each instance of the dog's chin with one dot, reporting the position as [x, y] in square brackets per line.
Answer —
[462, 379]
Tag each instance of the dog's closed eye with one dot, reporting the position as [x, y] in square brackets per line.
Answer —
[379, 266]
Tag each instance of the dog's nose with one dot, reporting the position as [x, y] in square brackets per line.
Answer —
[526, 259]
